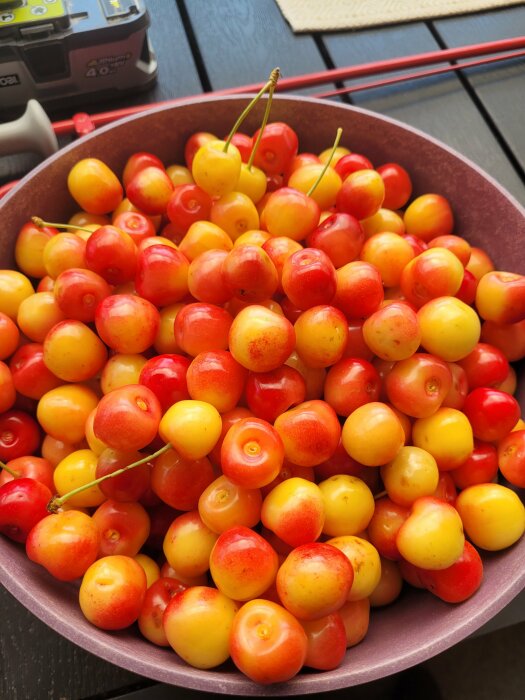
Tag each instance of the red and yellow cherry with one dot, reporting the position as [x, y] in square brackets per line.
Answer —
[192, 427]
[162, 275]
[112, 592]
[205, 279]
[309, 278]
[492, 413]
[268, 394]
[412, 473]
[235, 213]
[94, 186]
[432, 535]
[260, 339]
[36, 316]
[30, 376]
[277, 148]
[249, 273]
[23, 503]
[361, 194]
[429, 216]
[348, 505]
[314, 580]
[267, 643]
[243, 564]
[321, 334]
[14, 288]
[224, 504]
[418, 385]
[65, 543]
[188, 543]
[340, 236]
[450, 328]
[128, 324]
[138, 226]
[179, 481]
[288, 212]
[252, 453]
[30, 467]
[216, 167]
[392, 332]
[165, 376]
[326, 183]
[365, 561]
[457, 582]
[373, 434]
[500, 297]
[123, 527]
[359, 289]
[398, 185]
[29, 248]
[384, 525]
[350, 383]
[156, 600]
[188, 203]
[127, 418]
[198, 623]
[511, 458]
[137, 162]
[492, 514]
[217, 378]
[351, 163]
[150, 190]
[435, 272]
[310, 432]
[447, 435]
[73, 352]
[77, 293]
[294, 511]
[201, 327]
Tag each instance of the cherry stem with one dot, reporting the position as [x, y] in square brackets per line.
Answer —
[14, 474]
[380, 495]
[57, 501]
[272, 82]
[263, 124]
[327, 164]
[40, 223]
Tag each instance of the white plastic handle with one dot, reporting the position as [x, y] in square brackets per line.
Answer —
[32, 132]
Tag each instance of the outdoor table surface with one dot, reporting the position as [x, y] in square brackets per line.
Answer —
[202, 46]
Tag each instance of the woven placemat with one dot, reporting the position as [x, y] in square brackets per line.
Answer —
[337, 15]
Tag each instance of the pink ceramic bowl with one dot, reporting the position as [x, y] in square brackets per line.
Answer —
[417, 626]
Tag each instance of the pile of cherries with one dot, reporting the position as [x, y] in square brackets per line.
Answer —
[246, 398]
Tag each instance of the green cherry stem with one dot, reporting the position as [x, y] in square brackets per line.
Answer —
[57, 501]
[40, 223]
[326, 165]
[266, 116]
[270, 85]
[14, 474]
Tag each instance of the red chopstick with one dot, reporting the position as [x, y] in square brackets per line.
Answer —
[421, 74]
[333, 75]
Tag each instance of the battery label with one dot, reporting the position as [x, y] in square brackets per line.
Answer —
[9, 80]
[118, 8]
[106, 65]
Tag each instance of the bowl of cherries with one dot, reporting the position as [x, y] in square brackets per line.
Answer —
[260, 395]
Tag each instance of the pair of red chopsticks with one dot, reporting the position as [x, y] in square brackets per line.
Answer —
[491, 52]
[501, 50]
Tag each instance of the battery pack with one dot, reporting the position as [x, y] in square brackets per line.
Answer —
[61, 51]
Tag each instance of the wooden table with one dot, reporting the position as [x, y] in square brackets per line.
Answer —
[203, 45]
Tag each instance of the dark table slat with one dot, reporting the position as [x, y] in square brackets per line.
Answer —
[500, 88]
[241, 41]
[440, 106]
[38, 664]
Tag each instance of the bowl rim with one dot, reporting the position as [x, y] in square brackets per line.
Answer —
[102, 644]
